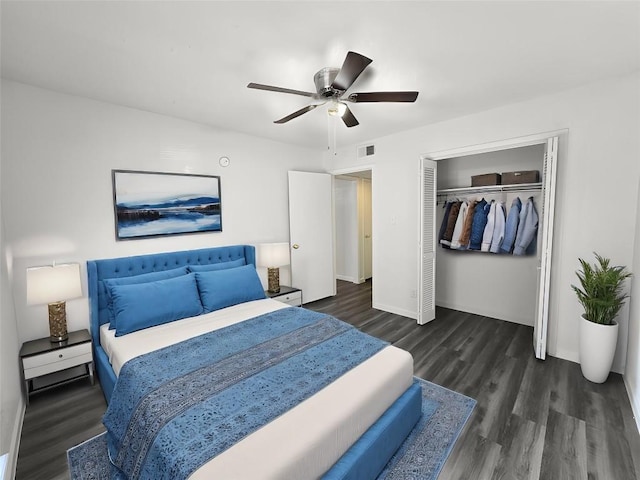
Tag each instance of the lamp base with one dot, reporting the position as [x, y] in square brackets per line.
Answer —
[58, 322]
[273, 276]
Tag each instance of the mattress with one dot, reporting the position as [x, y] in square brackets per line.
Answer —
[121, 349]
[307, 440]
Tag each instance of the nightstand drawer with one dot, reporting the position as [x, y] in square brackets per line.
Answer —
[294, 298]
[56, 360]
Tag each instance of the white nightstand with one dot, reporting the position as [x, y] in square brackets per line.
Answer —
[289, 295]
[42, 357]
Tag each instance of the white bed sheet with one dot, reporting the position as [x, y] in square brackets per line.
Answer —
[306, 441]
[124, 348]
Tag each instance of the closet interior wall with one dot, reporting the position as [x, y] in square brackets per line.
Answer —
[501, 286]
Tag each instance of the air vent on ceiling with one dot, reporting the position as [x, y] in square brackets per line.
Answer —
[366, 151]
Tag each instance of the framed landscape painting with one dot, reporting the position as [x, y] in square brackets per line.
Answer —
[148, 204]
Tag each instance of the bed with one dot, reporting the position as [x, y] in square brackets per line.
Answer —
[343, 424]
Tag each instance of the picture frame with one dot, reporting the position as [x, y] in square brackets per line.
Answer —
[152, 204]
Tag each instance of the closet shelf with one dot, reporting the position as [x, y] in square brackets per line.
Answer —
[516, 187]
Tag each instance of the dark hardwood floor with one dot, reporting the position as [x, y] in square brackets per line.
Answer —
[534, 419]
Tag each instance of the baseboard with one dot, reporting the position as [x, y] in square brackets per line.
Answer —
[569, 355]
[486, 313]
[347, 279]
[397, 311]
[12, 460]
[634, 401]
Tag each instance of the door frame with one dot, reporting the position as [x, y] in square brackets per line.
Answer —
[506, 144]
[347, 171]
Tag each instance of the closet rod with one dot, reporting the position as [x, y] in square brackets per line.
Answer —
[516, 187]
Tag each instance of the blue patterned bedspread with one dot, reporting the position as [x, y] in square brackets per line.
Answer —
[174, 409]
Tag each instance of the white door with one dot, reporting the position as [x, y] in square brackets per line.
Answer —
[311, 234]
[427, 296]
[366, 221]
[546, 243]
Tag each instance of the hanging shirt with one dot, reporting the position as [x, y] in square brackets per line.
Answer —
[498, 229]
[488, 230]
[466, 227]
[451, 223]
[527, 228]
[445, 218]
[457, 231]
[511, 227]
[480, 214]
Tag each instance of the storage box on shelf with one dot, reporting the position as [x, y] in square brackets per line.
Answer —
[485, 179]
[525, 176]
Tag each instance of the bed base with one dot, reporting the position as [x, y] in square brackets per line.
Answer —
[368, 456]
[104, 371]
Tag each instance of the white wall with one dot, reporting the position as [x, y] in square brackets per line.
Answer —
[595, 201]
[632, 373]
[457, 172]
[57, 155]
[11, 400]
[346, 228]
[498, 286]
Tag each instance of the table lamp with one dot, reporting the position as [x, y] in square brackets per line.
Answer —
[54, 284]
[273, 256]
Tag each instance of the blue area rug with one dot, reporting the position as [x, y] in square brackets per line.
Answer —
[421, 456]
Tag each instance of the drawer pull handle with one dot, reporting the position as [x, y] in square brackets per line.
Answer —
[60, 356]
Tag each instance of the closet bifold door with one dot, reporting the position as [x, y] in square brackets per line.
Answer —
[546, 244]
[427, 294]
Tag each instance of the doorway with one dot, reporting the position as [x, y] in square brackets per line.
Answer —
[353, 225]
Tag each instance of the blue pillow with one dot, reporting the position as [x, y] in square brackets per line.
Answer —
[217, 266]
[149, 304]
[135, 279]
[223, 288]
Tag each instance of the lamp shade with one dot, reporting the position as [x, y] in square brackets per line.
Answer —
[273, 255]
[53, 283]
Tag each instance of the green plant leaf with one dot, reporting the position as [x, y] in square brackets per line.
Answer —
[601, 289]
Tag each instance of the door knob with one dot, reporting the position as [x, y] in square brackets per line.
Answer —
[295, 246]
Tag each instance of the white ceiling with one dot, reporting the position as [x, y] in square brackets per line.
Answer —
[193, 60]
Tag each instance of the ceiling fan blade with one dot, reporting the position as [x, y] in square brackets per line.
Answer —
[349, 119]
[259, 86]
[383, 97]
[353, 65]
[296, 114]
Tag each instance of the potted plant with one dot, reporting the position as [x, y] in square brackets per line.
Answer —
[601, 295]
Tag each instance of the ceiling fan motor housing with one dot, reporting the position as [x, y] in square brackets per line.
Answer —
[324, 79]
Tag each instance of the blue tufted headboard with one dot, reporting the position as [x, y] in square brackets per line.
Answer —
[98, 270]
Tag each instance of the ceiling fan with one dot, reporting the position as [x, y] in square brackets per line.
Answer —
[331, 85]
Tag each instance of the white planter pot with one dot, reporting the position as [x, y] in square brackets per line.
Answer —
[597, 349]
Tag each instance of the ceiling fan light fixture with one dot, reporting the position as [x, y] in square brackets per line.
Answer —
[337, 109]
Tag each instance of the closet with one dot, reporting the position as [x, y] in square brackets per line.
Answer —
[502, 285]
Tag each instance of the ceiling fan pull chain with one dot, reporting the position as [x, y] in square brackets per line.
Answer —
[331, 134]
[334, 120]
